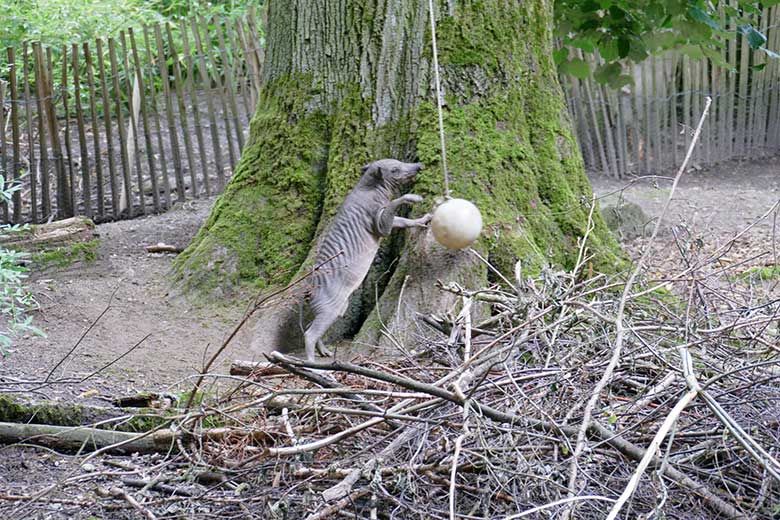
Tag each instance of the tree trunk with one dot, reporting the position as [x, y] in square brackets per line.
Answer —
[347, 83]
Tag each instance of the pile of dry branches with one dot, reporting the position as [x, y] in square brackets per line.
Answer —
[568, 398]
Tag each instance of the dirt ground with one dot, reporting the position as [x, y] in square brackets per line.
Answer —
[71, 299]
[712, 205]
[710, 208]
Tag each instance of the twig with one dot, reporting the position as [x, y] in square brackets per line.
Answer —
[619, 323]
[121, 494]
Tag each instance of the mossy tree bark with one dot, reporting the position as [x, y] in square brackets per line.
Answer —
[351, 82]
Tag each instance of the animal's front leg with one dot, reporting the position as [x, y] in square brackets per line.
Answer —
[400, 222]
[386, 220]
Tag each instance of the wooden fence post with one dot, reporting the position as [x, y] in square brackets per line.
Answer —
[139, 81]
[69, 184]
[172, 133]
[194, 101]
[95, 130]
[15, 134]
[218, 89]
[33, 167]
[123, 151]
[86, 187]
[206, 83]
[3, 151]
[178, 87]
[134, 96]
[156, 115]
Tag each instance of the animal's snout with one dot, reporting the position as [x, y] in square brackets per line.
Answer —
[414, 168]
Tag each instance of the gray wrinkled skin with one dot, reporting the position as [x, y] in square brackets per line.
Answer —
[350, 244]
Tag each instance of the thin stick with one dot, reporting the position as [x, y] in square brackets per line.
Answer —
[670, 421]
[620, 326]
[562, 501]
[438, 100]
[253, 306]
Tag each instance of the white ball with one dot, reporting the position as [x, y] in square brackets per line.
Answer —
[456, 223]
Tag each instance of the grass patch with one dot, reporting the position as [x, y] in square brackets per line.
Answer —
[761, 274]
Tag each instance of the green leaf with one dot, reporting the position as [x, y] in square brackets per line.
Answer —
[701, 16]
[576, 67]
[624, 47]
[755, 39]
[559, 55]
[608, 49]
[586, 44]
[760, 66]
[692, 51]
[607, 73]
[638, 50]
[661, 40]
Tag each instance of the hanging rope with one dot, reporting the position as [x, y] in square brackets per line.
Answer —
[438, 102]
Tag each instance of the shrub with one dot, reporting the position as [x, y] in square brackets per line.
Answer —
[15, 300]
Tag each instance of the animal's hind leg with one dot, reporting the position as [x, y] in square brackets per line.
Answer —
[313, 335]
[323, 350]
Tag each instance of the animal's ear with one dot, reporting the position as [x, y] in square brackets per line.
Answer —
[373, 170]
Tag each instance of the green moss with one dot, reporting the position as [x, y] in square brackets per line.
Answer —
[471, 38]
[60, 257]
[63, 414]
[349, 148]
[509, 142]
[260, 228]
[12, 411]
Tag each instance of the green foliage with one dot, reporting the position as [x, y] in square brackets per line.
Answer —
[15, 300]
[63, 22]
[761, 274]
[172, 9]
[627, 31]
[59, 24]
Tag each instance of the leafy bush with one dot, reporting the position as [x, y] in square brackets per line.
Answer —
[63, 22]
[15, 299]
[623, 32]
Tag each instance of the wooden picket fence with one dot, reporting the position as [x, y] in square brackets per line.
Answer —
[646, 128]
[130, 125]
